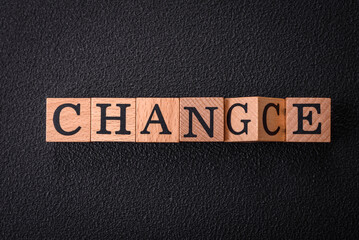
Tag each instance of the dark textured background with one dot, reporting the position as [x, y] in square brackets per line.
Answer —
[187, 190]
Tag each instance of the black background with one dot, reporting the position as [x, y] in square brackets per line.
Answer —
[186, 190]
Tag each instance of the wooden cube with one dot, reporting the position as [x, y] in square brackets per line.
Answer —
[241, 119]
[308, 119]
[202, 119]
[249, 119]
[157, 120]
[113, 119]
[68, 119]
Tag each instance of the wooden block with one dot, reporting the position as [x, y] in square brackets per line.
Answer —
[250, 119]
[68, 119]
[241, 119]
[271, 119]
[157, 120]
[202, 119]
[113, 119]
[308, 119]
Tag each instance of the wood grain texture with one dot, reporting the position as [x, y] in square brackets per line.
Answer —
[113, 125]
[200, 104]
[323, 118]
[274, 120]
[69, 120]
[238, 114]
[169, 108]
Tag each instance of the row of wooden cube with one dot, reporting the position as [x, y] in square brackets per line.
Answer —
[243, 119]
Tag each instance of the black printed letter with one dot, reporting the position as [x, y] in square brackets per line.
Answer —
[229, 119]
[122, 118]
[56, 119]
[193, 110]
[301, 118]
[160, 121]
[271, 133]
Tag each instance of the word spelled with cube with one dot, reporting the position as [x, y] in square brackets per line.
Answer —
[174, 120]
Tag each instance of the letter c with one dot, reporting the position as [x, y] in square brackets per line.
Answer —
[265, 125]
[56, 119]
